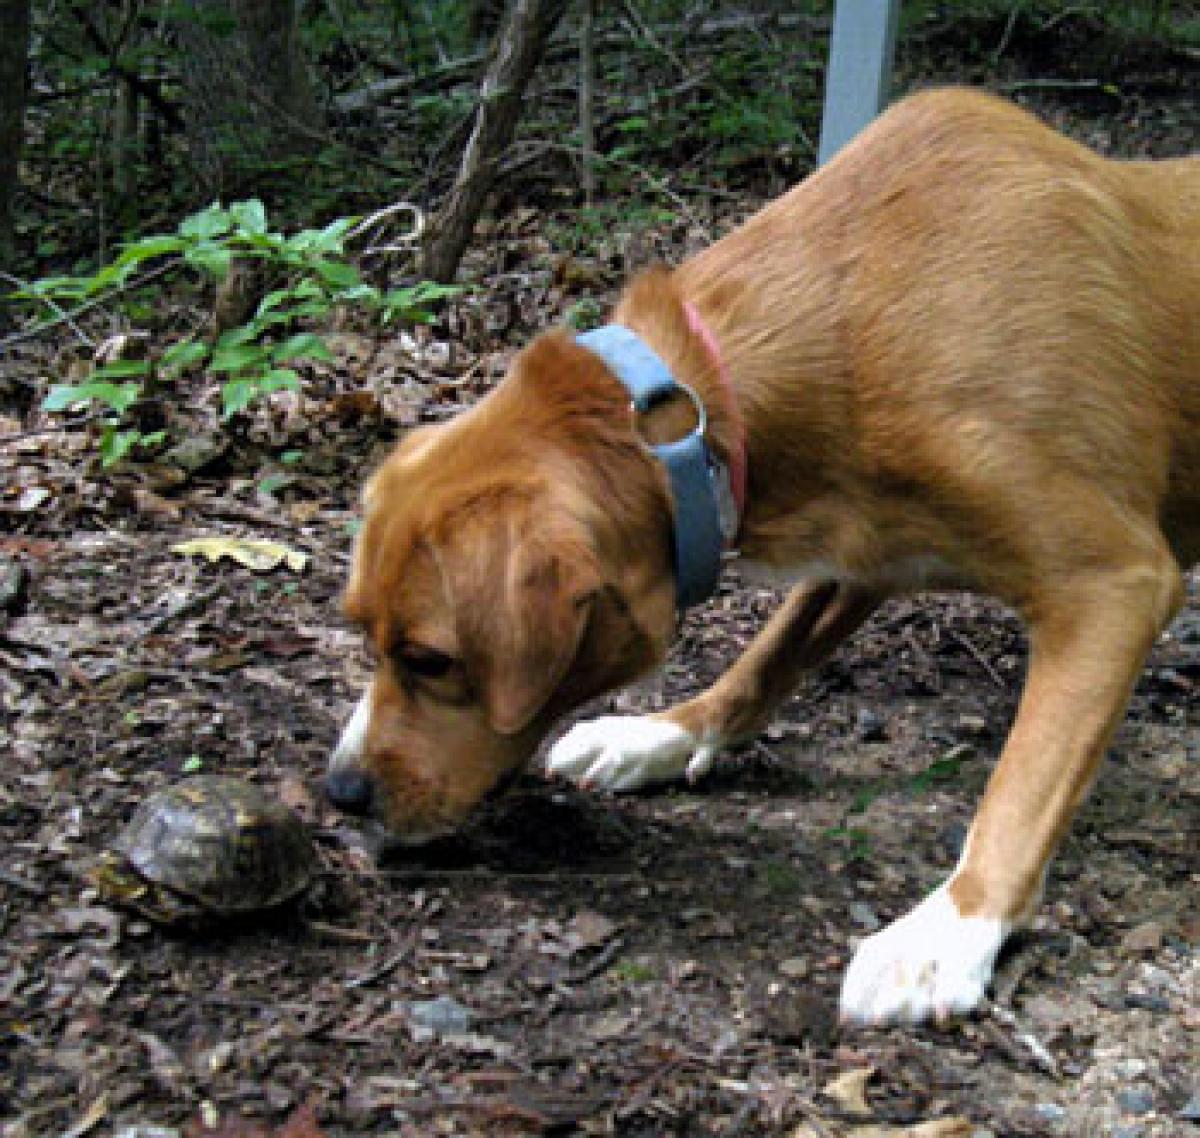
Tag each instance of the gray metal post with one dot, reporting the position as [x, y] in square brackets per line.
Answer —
[859, 72]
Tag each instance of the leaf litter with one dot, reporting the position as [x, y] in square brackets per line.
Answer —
[664, 964]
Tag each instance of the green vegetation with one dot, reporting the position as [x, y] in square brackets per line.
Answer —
[312, 275]
[696, 109]
[629, 971]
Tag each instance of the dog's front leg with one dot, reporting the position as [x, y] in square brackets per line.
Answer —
[1088, 641]
[617, 752]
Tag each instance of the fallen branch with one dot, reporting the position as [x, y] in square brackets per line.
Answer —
[519, 47]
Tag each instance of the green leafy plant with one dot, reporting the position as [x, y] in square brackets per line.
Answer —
[630, 971]
[943, 771]
[252, 359]
[855, 840]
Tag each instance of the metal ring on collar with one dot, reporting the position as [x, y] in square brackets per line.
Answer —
[701, 427]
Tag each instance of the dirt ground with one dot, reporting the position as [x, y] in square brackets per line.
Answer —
[664, 964]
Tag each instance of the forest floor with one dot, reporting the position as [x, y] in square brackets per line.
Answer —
[661, 964]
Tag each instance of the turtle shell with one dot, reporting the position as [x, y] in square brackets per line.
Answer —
[219, 843]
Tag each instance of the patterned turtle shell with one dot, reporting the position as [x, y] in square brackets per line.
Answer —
[207, 845]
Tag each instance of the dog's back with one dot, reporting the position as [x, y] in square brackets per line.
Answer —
[961, 214]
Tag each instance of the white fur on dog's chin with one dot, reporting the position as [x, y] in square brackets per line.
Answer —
[932, 963]
[350, 744]
[628, 752]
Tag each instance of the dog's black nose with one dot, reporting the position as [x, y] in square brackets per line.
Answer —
[349, 789]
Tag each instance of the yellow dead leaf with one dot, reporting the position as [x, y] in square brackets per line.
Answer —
[849, 1089]
[934, 1128]
[92, 1117]
[257, 555]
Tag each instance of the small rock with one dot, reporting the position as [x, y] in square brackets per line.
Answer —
[1129, 1131]
[442, 1016]
[863, 915]
[974, 725]
[1050, 1112]
[869, 726]
[609, 1026]
[1191, 1109]
[1135, 1100]
[1130, 1069]
[1146, 937]
[194, 452]
[959, 753]
[147, 1130]
[953, 836]
[219, 1057]
[1147, 1001]
[14, 585]
[797, 1019]
[794, 968]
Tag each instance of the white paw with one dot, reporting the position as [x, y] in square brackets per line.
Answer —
[932, 963]
[349, 747]
[626, 752]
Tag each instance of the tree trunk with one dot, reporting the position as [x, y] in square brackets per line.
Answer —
[519, 46]
[14, 50]
[249, 101]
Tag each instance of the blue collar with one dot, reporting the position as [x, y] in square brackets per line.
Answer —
[705, 517]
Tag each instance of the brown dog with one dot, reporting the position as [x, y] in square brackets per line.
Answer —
[965, 354]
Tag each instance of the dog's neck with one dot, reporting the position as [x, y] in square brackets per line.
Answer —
[730, 405]
[705, 511]
[678, 332]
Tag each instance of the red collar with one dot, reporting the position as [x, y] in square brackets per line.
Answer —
[729, 401]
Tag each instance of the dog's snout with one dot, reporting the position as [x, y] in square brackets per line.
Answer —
[350, 790]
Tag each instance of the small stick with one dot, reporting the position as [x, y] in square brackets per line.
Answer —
[1036, 1048]
[979, 658]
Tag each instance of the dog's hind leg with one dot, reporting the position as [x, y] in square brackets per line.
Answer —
[617, 752]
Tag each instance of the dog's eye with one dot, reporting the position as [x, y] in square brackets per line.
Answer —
[424, 663]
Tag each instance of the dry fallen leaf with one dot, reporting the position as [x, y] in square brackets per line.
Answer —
[849, 1089]
[589, 930]
[934, 1128]
[255, 554]
[92, 1117]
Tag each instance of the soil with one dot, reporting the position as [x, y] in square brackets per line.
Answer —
[662, 964]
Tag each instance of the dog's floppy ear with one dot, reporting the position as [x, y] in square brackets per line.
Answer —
[522, 589]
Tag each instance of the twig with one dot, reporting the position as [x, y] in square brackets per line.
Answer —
[57, 428]
[49, 303]
[187, 605]
[641, 28]
[240, 512]
[385, 967]
[340, 935]
[979, 658]
[35, 888]
[1036, 1048]
[598, 963]
[369, 222]
[1009, 28]
[33, 333]
[657, 184]
[1022, 85]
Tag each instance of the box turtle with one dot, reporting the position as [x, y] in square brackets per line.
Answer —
[209, 846]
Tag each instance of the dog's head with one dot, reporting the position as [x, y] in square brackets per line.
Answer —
[496, 592]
